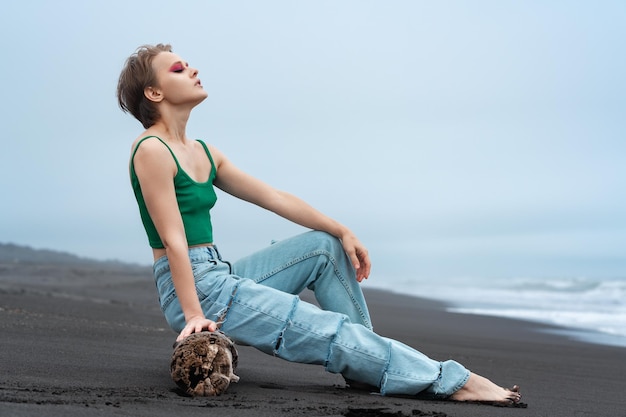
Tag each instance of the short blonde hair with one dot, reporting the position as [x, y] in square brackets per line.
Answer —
[135, 77]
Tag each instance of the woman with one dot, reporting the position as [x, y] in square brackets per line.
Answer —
[254, 300]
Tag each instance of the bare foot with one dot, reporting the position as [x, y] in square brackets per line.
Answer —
[479, 388]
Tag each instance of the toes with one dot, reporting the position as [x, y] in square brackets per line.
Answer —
[515, 398]
[514, 394]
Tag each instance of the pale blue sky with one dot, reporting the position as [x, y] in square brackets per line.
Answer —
[456, 138]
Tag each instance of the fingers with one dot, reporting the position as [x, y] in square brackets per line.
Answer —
[366, 265]
[355, 261]
[359, 269]
[358, 256]
[181, 336]
[361, 262]
[196, 326]
[362, 272]
[209, 325]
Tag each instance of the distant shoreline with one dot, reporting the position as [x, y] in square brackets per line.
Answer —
[26, 256]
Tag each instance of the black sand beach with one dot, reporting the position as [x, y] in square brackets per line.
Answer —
[89, 340]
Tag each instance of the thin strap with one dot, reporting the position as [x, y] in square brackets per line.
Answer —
[132, 158]
[160, 140]
[206, 149]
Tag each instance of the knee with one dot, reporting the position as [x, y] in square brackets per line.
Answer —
[327, 242]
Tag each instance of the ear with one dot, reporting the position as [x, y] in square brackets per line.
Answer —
[153, 94]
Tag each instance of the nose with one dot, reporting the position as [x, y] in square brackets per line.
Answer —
[194, 72]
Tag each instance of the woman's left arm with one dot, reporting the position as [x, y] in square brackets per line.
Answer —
[234, 181]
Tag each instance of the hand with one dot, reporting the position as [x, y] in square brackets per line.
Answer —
[358, 256]
[196, 325]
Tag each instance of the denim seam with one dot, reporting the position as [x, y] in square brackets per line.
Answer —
[411, 376]
[168, 300]
[223, 314]
[279, 343]
[332, 343]
[158, 270]
[342, 279]
[383, 378]
[437, 383]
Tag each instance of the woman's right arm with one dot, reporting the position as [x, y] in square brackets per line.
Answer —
[155, 170]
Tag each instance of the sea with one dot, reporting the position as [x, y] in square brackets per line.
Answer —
[592, 310]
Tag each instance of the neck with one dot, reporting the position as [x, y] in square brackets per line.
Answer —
[173, 125]
[170, 133]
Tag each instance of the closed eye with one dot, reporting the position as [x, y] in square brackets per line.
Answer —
[177, 67]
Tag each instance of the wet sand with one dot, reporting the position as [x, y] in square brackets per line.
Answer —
[88, 341]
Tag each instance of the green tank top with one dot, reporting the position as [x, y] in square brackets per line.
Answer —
[195, 200]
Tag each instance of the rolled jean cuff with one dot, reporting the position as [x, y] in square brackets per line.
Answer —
[452, 378]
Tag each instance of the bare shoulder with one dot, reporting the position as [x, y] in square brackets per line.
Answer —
[217, 155]
[151, 155]
[150, 144]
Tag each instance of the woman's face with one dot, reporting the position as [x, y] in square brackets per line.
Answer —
[178, 83]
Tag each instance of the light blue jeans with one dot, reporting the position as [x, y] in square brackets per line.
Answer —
[255, 300]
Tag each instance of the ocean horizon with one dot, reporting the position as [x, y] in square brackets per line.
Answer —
[589, 309]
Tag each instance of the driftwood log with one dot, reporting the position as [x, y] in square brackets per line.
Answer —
[204, 364]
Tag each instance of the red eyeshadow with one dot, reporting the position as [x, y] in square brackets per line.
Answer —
[177, 67]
